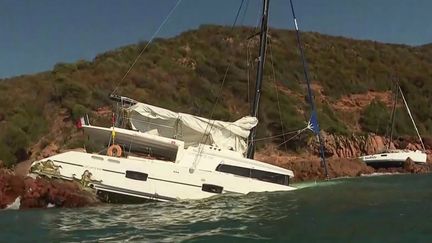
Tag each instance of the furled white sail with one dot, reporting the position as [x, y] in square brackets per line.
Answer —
[192, 129]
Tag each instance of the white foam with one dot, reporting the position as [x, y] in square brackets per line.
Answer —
[50, 205]
[307, 184]
[15, 205]
[380, 174]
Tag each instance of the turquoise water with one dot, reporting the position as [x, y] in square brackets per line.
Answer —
[374, 209]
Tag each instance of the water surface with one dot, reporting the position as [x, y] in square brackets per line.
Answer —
[394, 208]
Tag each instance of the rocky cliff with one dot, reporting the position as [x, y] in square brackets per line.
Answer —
[353, 146]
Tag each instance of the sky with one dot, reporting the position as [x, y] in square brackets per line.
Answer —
[35, 35]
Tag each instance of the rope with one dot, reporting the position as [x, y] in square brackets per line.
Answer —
[148, 43]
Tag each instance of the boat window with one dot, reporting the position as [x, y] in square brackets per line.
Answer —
[383, 155]
[235, 170]
[147, 150]
[135, 175]
[256, 174]
[212, 188]
[270, 177]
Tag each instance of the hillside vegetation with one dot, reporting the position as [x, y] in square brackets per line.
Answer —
[185, 73]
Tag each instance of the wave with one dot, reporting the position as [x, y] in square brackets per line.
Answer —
[308, 184]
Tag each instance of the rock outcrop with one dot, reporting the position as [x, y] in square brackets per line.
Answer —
[309, 167]
[411, 167]
[338, 146]
[41, 193]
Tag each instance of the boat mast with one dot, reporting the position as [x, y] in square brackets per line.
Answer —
[393, 114]
[259, 76]
[410, 115]
[314, 115]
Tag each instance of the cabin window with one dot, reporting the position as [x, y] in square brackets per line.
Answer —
[235, 170]
[253, 173]
[135, 175]
[212, 188]
[270, 177]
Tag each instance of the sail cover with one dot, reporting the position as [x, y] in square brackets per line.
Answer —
[191, 129]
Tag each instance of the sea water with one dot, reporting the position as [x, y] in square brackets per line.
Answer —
[395, 208]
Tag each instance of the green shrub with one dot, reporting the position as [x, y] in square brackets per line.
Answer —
[64, 68]
[330, 122]
[14, 144]
[375, 118]
[6, 156]
[79, 111]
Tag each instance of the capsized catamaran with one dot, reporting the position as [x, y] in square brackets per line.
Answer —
[396, 157]
[165, 155]
[152, 164]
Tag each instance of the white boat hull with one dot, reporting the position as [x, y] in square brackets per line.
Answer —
[394, 158]
[164, 180]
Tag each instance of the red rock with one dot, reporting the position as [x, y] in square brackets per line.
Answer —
[38, 193]
[306, 167]
[338, 146]
[411, 167]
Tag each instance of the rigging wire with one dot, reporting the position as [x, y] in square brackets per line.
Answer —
[225, 74]
[306, 74]
[210, 125]
[248, 69]
[244, 12]
[223, 79]
[296, 135]
[148, 43]
[411, 116]
[281, 135]
[247, 56]
[277, 91]
[390, 126]
[238, 14]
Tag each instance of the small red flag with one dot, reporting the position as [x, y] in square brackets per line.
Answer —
[80, 122]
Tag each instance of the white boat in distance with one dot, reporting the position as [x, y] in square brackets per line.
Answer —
[397, 157]
[394, 158]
